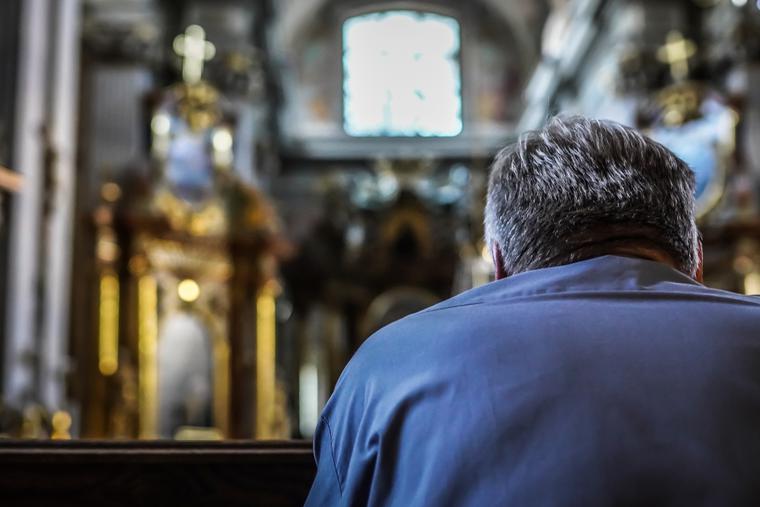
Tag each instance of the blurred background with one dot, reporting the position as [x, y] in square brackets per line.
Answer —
[207, 206]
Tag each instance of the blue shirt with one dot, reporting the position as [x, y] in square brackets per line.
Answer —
[611, 381]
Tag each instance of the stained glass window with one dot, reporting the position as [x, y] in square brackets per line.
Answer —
[401, 75]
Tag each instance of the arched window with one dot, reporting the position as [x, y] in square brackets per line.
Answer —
[401, 75]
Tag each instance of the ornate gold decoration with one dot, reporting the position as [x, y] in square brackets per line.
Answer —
[169, 262]
[108, 329]
[194, 105]
[680, 103]
[167, 255]
[182, 260]
[198, 104]
[206, 220]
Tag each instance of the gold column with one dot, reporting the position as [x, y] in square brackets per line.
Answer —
[265, 363]
[147, 314]
[108, 328]
[221, 384]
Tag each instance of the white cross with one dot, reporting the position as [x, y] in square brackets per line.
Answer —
[194, 49]
[676, 53]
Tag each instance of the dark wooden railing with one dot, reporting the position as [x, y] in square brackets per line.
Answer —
[83, 473]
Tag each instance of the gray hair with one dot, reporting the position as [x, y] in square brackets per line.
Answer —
[580, 186]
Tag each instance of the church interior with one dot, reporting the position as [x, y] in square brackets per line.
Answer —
[206, 206]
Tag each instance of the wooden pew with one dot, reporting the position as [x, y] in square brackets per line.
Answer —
[82, 473]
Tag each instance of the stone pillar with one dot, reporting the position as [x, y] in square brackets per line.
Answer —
[20, 347]
[63, 137]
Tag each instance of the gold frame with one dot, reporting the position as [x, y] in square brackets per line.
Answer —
[165, 258]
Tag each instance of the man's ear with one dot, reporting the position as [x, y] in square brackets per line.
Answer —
[698, 276]
[498, 262]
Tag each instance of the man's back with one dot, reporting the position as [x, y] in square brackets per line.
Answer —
[611, 381]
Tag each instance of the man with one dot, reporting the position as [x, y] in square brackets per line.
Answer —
[596, 370]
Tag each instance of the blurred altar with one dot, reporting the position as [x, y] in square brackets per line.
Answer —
[207, 206]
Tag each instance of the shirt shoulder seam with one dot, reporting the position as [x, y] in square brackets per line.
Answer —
[332, 454]
[741, 299]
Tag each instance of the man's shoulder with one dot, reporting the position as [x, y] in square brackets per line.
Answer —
[429, 319]
[529, 297]
[434, 333]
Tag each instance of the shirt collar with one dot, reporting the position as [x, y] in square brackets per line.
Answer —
[604, 273]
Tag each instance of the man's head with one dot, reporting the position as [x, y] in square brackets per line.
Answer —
[581, 188]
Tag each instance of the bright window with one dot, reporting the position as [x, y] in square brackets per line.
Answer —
[401, 75]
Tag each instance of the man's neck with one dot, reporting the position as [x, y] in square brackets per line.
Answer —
[640, 252]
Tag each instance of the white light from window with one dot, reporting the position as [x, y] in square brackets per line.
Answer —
[401, 75]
